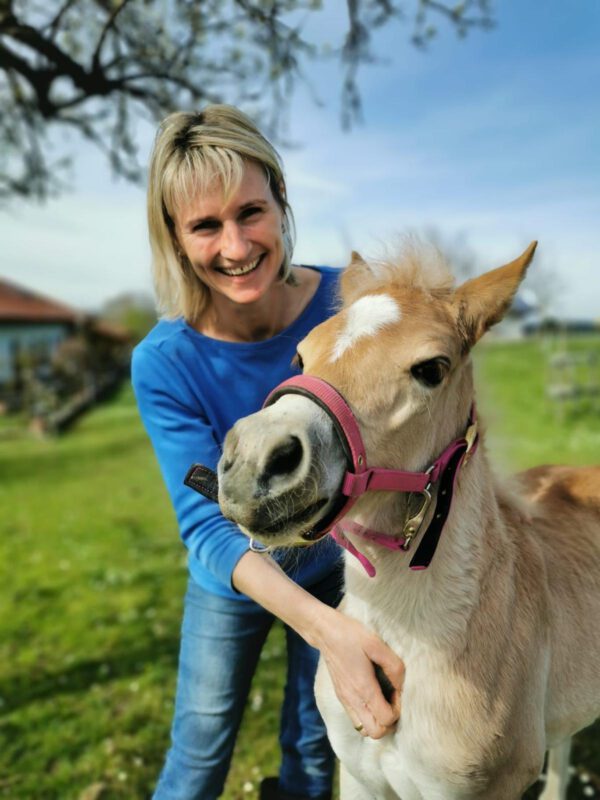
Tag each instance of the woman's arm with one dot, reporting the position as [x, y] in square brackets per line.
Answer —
[181, 436]
[349, 649]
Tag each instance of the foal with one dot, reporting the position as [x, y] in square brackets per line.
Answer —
[494, 625]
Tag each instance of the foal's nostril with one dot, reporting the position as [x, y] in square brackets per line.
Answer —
[227, 465]
[284, 458]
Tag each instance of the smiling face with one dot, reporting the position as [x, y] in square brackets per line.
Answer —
[234, 244]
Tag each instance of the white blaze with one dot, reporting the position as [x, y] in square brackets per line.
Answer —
[365, 318]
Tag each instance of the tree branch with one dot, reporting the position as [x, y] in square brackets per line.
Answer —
[147, 59]
[110, 23]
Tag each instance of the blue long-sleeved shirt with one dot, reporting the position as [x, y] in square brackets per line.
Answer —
[190, 390]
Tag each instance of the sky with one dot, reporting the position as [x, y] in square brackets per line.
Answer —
[492, 140]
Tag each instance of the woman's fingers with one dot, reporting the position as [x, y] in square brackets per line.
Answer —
[352, 653]
[357, 691]
[391, 682]
[391, 664]
[370, 724]
[359, 726]
[378, 716]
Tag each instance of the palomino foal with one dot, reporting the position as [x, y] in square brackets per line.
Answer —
[496, 630]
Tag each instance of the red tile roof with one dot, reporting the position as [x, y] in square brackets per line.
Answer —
[18, 304]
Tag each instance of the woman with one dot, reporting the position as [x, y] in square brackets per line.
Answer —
[234, 310]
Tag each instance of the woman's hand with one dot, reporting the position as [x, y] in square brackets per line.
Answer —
[350, 651]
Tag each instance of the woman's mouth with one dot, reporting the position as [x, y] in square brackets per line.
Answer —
[245, 269]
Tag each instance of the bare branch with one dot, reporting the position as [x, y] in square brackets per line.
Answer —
[93, 65]
[110, 22]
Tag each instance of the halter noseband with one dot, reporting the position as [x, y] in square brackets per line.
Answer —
[359, 478]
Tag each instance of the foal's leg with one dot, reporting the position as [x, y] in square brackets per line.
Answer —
[557, 778]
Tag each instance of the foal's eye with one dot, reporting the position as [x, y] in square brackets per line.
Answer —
[431, 372]
[297, 361]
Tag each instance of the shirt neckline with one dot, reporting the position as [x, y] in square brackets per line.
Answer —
[263, 342]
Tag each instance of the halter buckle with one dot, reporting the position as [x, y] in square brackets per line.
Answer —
[413, 525]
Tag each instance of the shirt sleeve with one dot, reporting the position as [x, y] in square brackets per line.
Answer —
[181, 435]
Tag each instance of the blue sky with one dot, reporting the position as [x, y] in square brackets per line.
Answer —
[495, 138]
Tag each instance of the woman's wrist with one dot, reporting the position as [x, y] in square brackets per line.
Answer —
[317, 624]
[263, 580]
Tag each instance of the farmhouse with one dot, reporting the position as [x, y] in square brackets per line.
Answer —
[43, 340]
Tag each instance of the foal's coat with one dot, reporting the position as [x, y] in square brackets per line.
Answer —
[498, 634]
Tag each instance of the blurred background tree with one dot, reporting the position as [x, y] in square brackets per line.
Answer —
[98, 67]
[134, 311]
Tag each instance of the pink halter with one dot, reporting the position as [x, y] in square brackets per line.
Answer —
[359, 478]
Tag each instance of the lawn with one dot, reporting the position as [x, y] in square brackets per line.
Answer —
[93, 577]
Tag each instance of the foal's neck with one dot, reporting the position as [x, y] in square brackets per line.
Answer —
[436, 603]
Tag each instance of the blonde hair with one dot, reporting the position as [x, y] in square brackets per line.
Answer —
[192, 151]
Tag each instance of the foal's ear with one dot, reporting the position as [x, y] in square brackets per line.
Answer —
[355, 277]
[483, 301]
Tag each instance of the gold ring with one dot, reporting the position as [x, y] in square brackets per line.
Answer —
[358, 728]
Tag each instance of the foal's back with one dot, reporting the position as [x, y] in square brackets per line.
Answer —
[565, 522]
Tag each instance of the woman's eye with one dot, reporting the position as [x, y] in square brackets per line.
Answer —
[432, 372]
[250, 212]
[297, 361]
[206, 225]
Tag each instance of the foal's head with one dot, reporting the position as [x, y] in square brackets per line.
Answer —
[398, 351]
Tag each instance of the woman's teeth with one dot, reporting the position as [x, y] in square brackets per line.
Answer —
[235, 271]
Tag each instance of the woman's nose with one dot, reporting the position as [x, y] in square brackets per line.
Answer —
[234, 244]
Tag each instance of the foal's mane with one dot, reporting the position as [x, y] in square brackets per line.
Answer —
[413, 263]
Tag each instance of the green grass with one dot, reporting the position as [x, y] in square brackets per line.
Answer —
[92, 579]
[525, 426]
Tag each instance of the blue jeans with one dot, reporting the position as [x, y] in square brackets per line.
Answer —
[220, 645]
